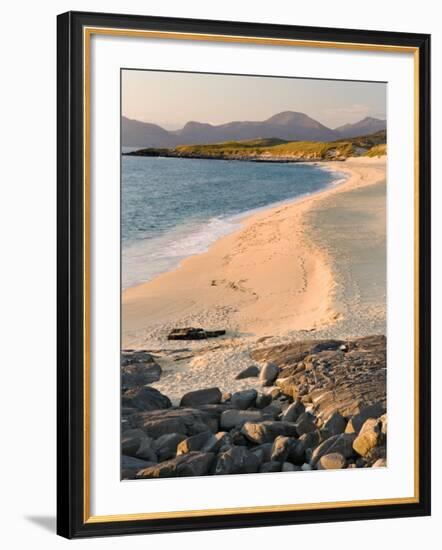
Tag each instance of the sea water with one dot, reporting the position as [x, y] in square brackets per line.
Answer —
[174, 208]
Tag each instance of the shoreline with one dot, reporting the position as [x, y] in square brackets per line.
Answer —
[228, 158]
[237, 220]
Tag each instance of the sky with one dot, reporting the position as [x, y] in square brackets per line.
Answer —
[171, 99]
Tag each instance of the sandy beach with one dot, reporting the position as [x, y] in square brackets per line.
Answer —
[315, 267]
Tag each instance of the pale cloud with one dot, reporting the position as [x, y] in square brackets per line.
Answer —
[171, 99]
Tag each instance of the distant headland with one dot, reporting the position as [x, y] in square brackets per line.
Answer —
[276, 149]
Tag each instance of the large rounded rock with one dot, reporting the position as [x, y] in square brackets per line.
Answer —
[272, 411]
[356, 422]
[208, 396]
[169, 421]
[368, 438]
[235, 419]
[244, 399]
[139, 374]
[196, 443]
[130, 466]
[311, 440]
[267, 431]
[249, 372]
[342, 443]
[297, 453]
[263, 400]
[268, 374]
[305, 423]
[221, 441]
[131, 441]
[190, 464]
[236, 460]
[332, 461]
[146, 451]
[335, 425]
[264, 452]
[281, 448]
[293, 411]
[377, 452]
[145, 399]
[166, 445]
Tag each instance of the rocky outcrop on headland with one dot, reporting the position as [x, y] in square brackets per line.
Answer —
[322, 405]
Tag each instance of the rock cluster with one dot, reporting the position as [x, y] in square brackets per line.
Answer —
[321, 406]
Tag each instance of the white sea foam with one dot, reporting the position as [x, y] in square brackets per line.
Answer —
[145, 259]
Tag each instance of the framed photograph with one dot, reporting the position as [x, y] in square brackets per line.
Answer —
[243, 274]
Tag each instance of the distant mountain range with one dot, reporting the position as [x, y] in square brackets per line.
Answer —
[288, 125]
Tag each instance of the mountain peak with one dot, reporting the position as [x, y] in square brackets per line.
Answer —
[365, 126]
[195, 124]
[286, 117]
[370, 119]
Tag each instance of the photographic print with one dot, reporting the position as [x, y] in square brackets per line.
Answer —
[253, 274]
[243, 274]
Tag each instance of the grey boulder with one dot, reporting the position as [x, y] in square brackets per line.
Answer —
[166, 445]
[146, 451]
[332, 461]
[267, 431]
[372, 411]
[236, 460]
[264, 452]
[145, 398]
[190, 464]
[244, 399]
[131, 441]
[139, 374]
[293, 411]
[234, 418]
[335, 425]
[263, 400]
[130, 466]
[182, 421]
[249, 372]
[208, 396]
[305, 423]
[195, 443]
[342, 443]
[268, 374]
[281, 448]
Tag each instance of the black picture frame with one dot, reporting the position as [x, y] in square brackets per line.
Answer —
[71, 518]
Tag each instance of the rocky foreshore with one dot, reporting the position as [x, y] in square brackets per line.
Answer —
[321, 405]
